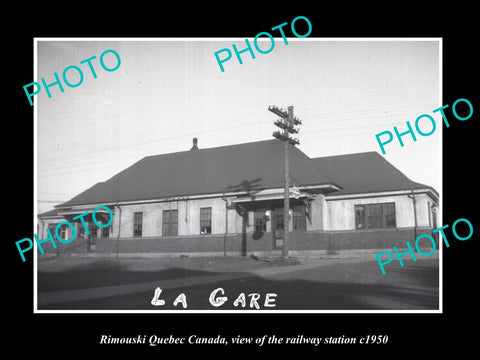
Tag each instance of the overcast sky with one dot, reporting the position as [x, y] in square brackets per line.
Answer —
[166, 92]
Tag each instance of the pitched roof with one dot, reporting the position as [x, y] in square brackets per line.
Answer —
[364, 173]
[258, 165]
[49, 213]
[204, 171]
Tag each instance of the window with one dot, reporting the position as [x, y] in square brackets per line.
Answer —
[360, 216]
[137, 223]
[259, 220]
[278, 218]
[93, 232]
[106, 232]
[299, 217]
[63, 232]
[206, 220]
[170, 223]
[375, 216]
[389, 213]
[51, 227]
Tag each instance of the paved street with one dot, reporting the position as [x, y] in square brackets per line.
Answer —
[309, 284]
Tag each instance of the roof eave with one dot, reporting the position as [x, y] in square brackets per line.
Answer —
[427, 190]
[315, 188]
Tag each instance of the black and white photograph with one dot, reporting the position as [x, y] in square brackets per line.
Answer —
[227, 179]
[176, 175]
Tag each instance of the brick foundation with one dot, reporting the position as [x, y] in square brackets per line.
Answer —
[244, 245]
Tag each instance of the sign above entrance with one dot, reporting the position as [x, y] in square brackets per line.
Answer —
[295, 191]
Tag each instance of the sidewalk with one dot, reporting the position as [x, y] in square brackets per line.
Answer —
[222, 269]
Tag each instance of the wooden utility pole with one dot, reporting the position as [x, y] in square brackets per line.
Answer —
[286, 123]
[286, 201]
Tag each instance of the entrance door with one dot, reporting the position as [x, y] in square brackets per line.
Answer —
[277, 228]
[92, 238]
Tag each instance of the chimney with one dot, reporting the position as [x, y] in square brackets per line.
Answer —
[194, 147]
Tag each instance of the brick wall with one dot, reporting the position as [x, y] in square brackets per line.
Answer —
[246, 244]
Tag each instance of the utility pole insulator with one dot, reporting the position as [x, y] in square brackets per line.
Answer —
[279, 123]
[286, 123]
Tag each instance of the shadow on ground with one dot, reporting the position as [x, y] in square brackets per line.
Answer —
[106, 273]
[357, 286]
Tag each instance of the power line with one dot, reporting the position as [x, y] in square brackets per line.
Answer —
[50, 193]
[347, 116]
[152, 141]
[336, 113]
[287, 123]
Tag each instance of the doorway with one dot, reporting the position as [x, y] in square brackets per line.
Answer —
[277, 228]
